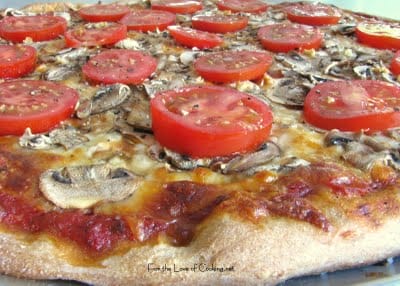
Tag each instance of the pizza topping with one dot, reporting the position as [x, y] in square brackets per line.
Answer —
[16, 61]
[37, 28]
[219, 23]
[70, 56]
[148, 20]
[103, 12]
[379, 35]
[138, 112]
[249, 6]
[95, 34]
[105, 98]
[95, 233]
[250, 163]
[395, 64]
[194, 38]
[119, 66]
[177, 6]
[353, 105]
[285, 37]
[67, 137]
[84, 186]
[34, 104]
[290, 91]
[216, 127]
[315, 14]
[230, 66]
[366, 151]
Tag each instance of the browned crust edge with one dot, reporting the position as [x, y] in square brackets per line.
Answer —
[279, 250]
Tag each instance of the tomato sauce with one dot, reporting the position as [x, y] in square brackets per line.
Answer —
[176, 210]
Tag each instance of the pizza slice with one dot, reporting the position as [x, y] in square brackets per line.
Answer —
[196, 142]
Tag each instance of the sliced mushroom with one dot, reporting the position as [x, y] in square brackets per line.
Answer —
[252, 160]
[364, 157]
[294, 61]
[106, 98]
[344, 29]
[71, 56]
[336, 137]
[379, 142]
[85, 186]
[184, 162]
[67, 137]
[139, 112]
[290, 91]
[364, 72]
[60, 73]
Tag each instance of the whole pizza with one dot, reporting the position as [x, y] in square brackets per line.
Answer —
[181, 142]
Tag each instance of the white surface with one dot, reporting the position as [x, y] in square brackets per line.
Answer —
[386, 8]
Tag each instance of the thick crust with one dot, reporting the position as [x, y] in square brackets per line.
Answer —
[281, 249]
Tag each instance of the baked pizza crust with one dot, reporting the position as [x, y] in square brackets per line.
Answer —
[266, 253]
[279, 250]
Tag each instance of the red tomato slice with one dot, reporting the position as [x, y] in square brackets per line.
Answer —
[219, 23]
[38, 28]
[379, 35]
[249, 6]
[103, 12]
[177, 6]
[148, 20]
[16, 61]
[395, 64]
[123, 66]
[353, 105]
[315, 14]
[39, 105]
[194, 38]
[95, 34]
[285, 37]
[208, 121]
[230, 66]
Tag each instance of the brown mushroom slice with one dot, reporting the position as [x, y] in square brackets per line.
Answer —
[106, 98]
[246, 162]
[84, 186]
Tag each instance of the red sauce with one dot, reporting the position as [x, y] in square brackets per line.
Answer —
[93, 232]
[178, 209]
[175, 211]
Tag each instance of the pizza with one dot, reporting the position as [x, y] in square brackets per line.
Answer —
[197, 142]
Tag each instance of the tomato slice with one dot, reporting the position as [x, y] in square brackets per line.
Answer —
[95, 34]
[38, 28]
[219, 23]
[230, 66]
[39, 105]
[177, 6]
[315, 14]
[194, 38]
[103, 12]
[395, 64]
[249, 6]
[379, 35]
[148, 20]
[16, 60]
[209, 121]
[285, 37]
[353, 105]
[123, 66]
